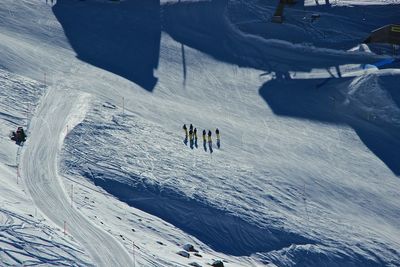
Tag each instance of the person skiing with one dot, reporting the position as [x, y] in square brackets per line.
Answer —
[22, 134]
[218, 138]
[210, 141]
[195, 137]
[204, 140]
[19, 136]
[191, 137]
[186, 134]
[191, 127]
[185, 129]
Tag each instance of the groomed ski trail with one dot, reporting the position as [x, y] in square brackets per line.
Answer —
[39, 171]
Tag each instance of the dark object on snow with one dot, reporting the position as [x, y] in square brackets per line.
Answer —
[278, 15]
[191, 138]
[19, 136]
[218, 138]
[217, 263]
[210, 141]
[315, 16]
[190, 248]
[195, 137]
[184, 254]
[204, 140]
[389, 34]
[185, 141]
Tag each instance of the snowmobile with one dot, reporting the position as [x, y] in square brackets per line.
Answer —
[18, 136]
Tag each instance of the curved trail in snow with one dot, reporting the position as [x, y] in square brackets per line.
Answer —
[40, 174]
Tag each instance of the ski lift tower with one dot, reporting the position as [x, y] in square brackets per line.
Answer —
[278, 16]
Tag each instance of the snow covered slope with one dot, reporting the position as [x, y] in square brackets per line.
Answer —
[26, 235]
[307, 174]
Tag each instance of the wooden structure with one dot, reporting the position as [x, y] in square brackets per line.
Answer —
[389, 34]
[278, 15]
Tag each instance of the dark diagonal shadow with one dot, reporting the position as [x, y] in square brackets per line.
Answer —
[306, 99]
[220, 230]
[120, 37]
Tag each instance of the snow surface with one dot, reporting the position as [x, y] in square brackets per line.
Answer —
[27, 238]
[350, 2]
[308, 170]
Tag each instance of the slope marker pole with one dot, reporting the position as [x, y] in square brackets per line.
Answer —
[133, 253]
[123, 105]
[65, 227]
[28, 107]
[17, 173]
[72, 195]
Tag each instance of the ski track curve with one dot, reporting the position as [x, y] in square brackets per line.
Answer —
[39, 170]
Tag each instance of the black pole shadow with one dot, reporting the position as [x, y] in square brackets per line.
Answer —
[120, 37]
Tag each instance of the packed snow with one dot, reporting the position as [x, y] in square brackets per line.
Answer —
[308, 169]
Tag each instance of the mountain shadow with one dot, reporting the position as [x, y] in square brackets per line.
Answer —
[307, 99]
[120, 37]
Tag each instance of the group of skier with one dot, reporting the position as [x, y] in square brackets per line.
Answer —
[191, 137]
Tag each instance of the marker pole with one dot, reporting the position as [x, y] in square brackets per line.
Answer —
[123, 105]
[17, 173]
[133, 253]
[72, 194]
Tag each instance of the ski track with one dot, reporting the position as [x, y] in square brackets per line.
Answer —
[40, 173]
[39, 158]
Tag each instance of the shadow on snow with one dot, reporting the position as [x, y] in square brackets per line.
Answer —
[304, 99]
[218, 229]
[201, 25]
[124, 38]
[120, 37]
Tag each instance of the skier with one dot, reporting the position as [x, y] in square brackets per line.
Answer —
[191, 127]
[191, 137]
[204, 140]
[195, 137]
[210, 141]
[218, 138]
[19, 136]
[186, 134]
[185, 129]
